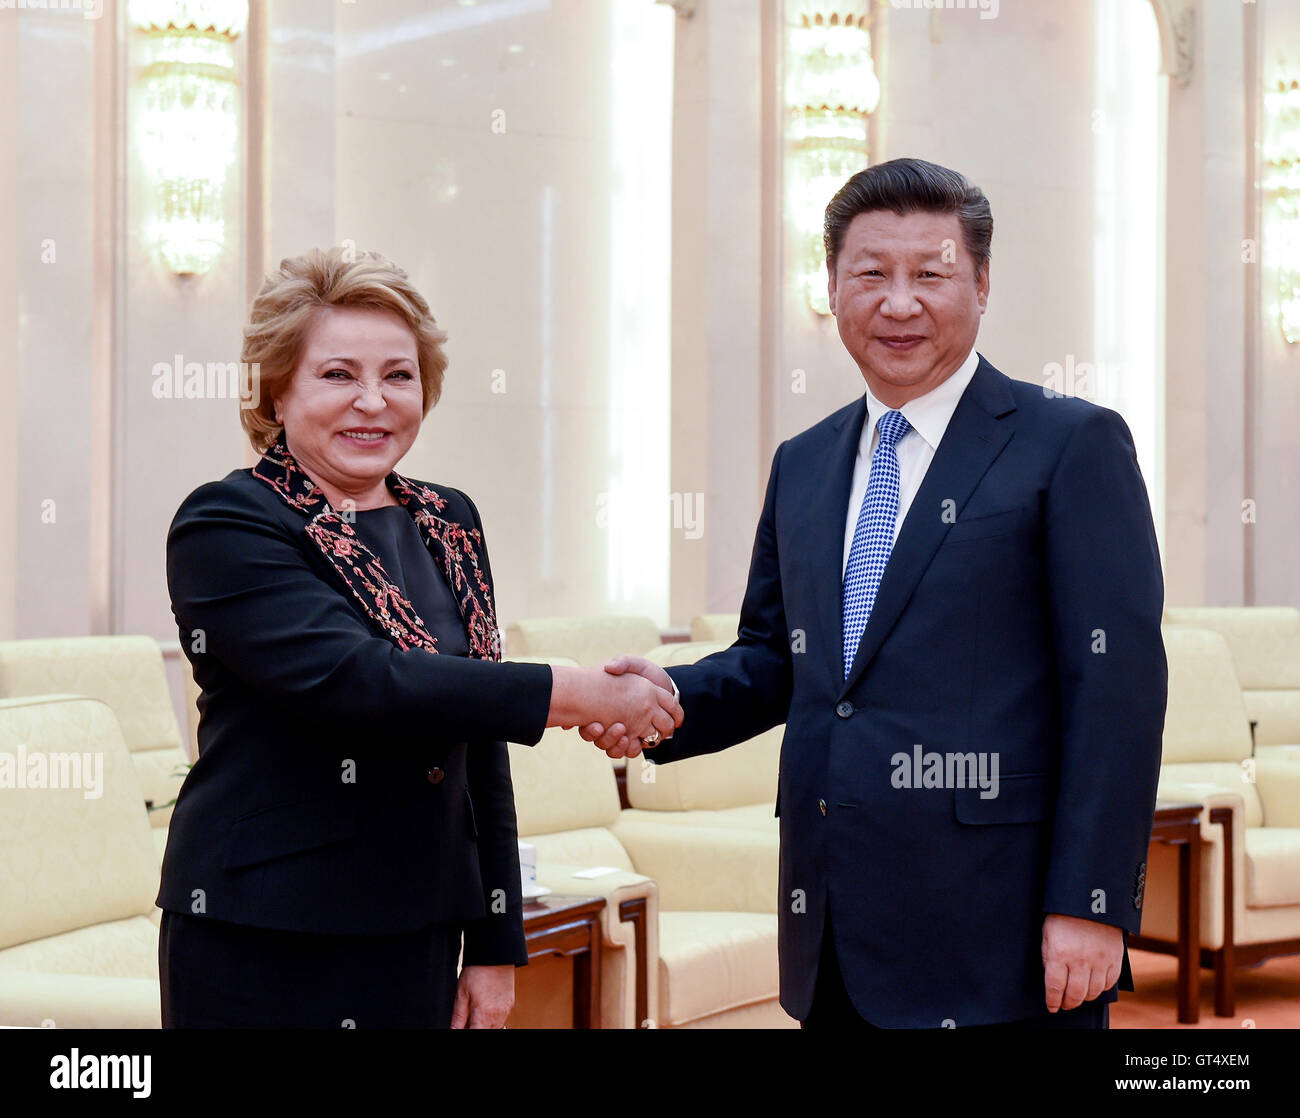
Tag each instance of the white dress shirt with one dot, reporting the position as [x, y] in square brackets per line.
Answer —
[929, 416]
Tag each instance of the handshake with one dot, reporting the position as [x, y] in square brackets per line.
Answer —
[621, 708]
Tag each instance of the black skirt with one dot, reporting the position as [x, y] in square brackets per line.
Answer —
[217, 975]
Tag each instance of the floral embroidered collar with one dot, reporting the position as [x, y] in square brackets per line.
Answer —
[455, 548]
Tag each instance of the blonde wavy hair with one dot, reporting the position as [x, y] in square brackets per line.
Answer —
[283, 311]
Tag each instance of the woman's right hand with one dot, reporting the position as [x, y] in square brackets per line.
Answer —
[581, 696]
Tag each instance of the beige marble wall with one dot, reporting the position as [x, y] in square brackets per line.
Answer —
[47, 465]
[1205, 325]
[302, 167]
[378, 127]
[478, 147]
[1276, 415]
[721, 204]
[165, 448]
[11, 241]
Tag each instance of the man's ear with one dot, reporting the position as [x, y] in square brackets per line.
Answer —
[982, 286]
[830, 285]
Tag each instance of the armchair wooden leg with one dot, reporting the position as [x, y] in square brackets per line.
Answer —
[1225, 981]
[1189, 926]
[1225, 959]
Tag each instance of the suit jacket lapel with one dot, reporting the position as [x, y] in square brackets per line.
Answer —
[830, 510]
[458, 552]
[973, 439]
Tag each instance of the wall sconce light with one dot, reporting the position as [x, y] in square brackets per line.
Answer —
[830, 90]
[189, 126]
[1281, 184]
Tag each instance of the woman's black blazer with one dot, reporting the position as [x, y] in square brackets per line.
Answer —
[343, 784]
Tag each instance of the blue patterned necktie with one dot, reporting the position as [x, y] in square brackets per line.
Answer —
[873, 538]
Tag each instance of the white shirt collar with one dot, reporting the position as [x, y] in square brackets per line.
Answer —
[928, 415]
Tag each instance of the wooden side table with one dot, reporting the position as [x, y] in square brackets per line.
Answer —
[1178, 824]
[570, 926]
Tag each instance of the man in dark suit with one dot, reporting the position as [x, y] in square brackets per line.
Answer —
[954, 606]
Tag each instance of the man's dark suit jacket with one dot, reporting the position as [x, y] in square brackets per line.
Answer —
[343, 785]
[1029, 627]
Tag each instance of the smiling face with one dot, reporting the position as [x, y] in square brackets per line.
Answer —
[907, 300]
[354, 404]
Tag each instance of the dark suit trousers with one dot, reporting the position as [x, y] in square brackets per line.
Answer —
[217, 975]
[832, 1009]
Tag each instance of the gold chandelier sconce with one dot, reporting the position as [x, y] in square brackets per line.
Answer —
[1281, 184]
[831, 89]
[188, 125]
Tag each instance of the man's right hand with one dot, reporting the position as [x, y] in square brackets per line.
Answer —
[614, 739]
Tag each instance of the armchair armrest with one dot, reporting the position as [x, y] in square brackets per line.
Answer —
[616, 888]
[703, 869]
[1223, 825]
[1210, 797]
[630, 920]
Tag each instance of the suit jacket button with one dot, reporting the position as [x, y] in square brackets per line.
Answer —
[821, 806]
[844, 709]
[435, 775]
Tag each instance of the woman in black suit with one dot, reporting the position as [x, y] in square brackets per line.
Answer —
[349, 824]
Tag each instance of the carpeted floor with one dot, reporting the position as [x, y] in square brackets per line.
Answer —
[1268, 996]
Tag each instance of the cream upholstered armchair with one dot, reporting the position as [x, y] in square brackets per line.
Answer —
[717, 923]
[127, 673]
[715, 627]
[78, 926]
[1250, 823]
[1265, 646]
[734, 787]
[710, 947]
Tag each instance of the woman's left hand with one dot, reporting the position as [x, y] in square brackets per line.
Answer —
[484, 996]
